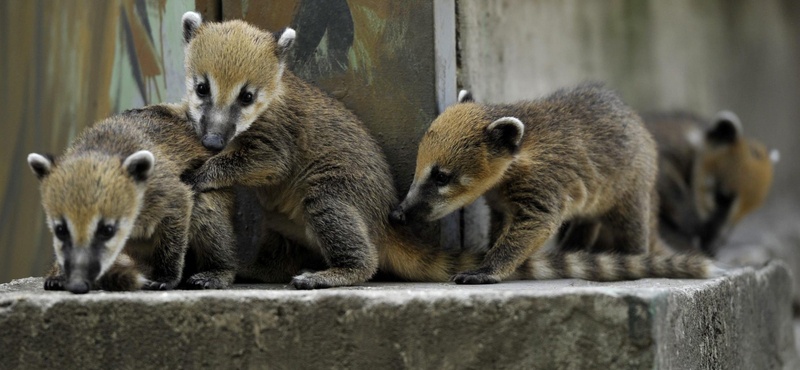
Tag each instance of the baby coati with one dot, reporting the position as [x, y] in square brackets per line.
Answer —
[120, 216]
[321, 180]
[710, 176]
[580, 156]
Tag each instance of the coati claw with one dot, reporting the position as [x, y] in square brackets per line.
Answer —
[54, 283]
[155, 285]
[308, 281]
[475, 277]
[201, 282]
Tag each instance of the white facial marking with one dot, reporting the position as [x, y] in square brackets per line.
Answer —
[115, 245]
[214, 88]
[262, 100]
[775, 155]
[695, 137]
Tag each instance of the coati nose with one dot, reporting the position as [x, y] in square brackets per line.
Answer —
[398, 216]
[213, 142]
[78, 287]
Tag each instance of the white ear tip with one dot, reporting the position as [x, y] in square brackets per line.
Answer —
[462, 94]
[143, 154]
[139, 156]
[37, 158]
[513, 120]
[727, 115]
[193, 17]
[39, 164]
[287, 37]
[775, 155]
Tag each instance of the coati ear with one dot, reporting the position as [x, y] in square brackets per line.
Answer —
[40, 164]
[284, 39]
[774, 155]
[140, 165]
[191, 21]
[726, 128]
[505, 134]
[465, 96]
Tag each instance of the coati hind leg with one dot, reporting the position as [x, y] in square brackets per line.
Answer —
[341, 234]
[278, 260]
[630, 225]
[212, 241]
[580, 235]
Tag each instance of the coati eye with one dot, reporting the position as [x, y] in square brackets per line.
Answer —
[202, 89]
[441, 178]
[246, 98]
[61, 232]
[105, 232]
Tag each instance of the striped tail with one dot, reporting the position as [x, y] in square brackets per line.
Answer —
[405, 256]
[616, 267]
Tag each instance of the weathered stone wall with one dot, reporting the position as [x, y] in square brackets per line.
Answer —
[742, 321]
[704, 56]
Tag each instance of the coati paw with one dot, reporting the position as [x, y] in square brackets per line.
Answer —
[309, 280]
[204, 281]
[157, 285]
[55, 283]
[195, 179]
[478, 276]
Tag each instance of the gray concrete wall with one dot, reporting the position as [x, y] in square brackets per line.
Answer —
[681, 54]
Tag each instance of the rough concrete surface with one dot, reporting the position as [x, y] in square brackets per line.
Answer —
[742, 321]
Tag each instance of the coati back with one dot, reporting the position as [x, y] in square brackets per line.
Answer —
[710, 176]
[580, 156]
[120, 214]
[322, 181]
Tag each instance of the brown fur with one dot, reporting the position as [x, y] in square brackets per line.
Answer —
[89, 184]
[584, 157]
[706, 185]
[322, 181]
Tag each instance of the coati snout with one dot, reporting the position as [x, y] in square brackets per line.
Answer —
[213, 142]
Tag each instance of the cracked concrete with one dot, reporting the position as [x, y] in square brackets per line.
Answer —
[740, 321]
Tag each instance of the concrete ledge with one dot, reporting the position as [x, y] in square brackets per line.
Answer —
[741, 321]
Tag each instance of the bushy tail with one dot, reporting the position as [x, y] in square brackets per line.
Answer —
[405, 256]
[615, 267]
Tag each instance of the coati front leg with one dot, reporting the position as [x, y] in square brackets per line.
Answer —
[257, 160]
[527, 226]
[169, 250]
[342, 235]
[212, 240]
[55, 279]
